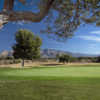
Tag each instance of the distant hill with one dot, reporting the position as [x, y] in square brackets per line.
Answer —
[49, 53]
[6, 53]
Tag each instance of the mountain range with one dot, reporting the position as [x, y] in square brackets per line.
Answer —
[51, 53]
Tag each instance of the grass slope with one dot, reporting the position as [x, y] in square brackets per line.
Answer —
[56, 83]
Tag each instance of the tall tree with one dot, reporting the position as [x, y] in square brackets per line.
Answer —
[63, 16]
[27, 45]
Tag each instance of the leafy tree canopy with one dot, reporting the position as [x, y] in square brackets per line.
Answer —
[62, 17]
[27, 45]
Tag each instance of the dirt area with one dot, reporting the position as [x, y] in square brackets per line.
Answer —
[31, 64]
[42, 64]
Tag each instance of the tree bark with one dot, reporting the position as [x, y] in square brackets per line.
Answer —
[30, 16]
[22, 63]
[8, 5]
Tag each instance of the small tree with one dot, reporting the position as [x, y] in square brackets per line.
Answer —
[27, 45]
[64, 58]
[98, 59]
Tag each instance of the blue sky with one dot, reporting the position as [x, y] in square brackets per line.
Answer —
[86, 38]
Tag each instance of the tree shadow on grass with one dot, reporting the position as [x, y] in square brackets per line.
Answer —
[52, 64]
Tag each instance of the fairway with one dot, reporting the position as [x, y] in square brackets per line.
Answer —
[50, 83]
[86, 71]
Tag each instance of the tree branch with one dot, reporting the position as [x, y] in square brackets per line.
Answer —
[30, 16]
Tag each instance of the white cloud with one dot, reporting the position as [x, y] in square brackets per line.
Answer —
[95, 32]
[91, 38]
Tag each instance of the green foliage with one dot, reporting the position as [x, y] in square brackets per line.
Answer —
[62, 17]
[70, 14]
[16, 61]
[98, 59]
[27, 45]
[67, 58]
[64, 58]
[87, 59]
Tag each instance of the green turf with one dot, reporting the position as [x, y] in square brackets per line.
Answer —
[52, 83]
[47, 72]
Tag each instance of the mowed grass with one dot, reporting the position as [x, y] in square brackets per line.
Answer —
[61, 72]
[51, 83]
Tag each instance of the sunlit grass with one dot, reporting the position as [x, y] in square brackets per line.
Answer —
[50, 83]
[73, 71]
